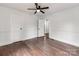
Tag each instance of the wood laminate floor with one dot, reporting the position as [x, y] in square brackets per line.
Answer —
[39, 47]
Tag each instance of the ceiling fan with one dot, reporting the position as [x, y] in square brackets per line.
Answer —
[38, 8]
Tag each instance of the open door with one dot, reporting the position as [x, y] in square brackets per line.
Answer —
[40, 28]
[46, 28]
[43, 28]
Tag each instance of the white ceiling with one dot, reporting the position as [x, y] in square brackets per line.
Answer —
[53, 7]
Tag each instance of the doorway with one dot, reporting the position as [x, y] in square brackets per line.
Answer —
[43, 28]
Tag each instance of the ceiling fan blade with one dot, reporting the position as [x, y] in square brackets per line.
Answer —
[44, 8]
[36, 4]
[35, 12]
[39, 7]
[31, 9]
[42, 11]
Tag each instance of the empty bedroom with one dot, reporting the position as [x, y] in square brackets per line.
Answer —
[39, 29]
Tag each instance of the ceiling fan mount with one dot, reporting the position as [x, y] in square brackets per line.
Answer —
[38, 8]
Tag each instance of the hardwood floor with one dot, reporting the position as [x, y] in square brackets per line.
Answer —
[39, 47]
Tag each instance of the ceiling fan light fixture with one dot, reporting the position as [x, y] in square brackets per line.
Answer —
[38, 10]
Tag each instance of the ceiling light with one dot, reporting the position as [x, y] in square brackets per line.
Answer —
[38, 10]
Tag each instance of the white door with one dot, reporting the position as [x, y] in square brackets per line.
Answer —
[40, 29]
[43, 27]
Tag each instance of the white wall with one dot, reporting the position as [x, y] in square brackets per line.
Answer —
[28, 25]
[10, 23]
[64, 26]
[4, 26]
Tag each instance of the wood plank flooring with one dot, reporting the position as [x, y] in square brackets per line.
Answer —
[39, 47]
